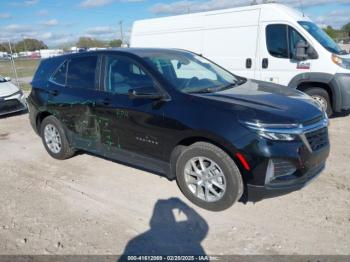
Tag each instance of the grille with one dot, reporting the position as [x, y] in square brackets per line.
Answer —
[283, 168]
[10, 105]
[318, 139]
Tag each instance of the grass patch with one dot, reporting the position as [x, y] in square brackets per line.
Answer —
[25, 68]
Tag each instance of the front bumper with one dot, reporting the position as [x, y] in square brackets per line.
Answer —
[258, 193]
[281, 167]
[12, 103]
[341, 92]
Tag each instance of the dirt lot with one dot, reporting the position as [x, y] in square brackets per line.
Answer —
[89, 205]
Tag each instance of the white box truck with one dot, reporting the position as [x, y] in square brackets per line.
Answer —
[269, 42]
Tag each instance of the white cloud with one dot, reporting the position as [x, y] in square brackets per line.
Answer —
[30, 2]
[5, 16]
[99, 30]
[185, 6]
[42, 12]
[336, 19]
[97, 3]
[51, 22]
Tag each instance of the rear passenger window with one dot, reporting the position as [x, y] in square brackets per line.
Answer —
[276, 40]
[60, 76]
[82, 72]
[122, 74]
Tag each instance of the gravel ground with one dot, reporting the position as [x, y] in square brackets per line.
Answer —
[89, 205]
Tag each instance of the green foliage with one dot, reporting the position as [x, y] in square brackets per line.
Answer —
[87, 42]
[331, 32]
[115, 43]
[27, 44]
[338, 33]
[346, 29]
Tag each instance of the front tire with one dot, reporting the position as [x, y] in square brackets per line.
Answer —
[54, 138]
[322, 97]
[209, 177]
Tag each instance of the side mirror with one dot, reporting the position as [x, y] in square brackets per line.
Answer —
[7, 78]
[140, 94]
[311, 52]
[300, 50]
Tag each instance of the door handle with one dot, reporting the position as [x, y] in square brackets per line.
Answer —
[248, 63]
[265, 63]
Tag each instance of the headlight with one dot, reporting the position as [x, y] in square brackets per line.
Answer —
[279, 132]
[19, 92]
[342, 62]
[277, 136]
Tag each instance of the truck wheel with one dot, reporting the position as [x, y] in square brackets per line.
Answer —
[208, 177]
[54, 139]
[322, 97]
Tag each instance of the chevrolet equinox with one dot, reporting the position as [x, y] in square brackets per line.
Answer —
[223, 138]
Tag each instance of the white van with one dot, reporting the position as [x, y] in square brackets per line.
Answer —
[269, 42]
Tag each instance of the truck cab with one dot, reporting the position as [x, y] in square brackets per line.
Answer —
[268, 42]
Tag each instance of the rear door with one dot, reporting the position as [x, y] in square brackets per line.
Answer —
[73, 90]
[277, 61]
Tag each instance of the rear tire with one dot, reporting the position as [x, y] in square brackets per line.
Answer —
[54, 138]
[209, 177]
[321, 96]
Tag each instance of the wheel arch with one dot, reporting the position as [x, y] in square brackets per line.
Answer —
[321, 80]
[190, 140]
[39, 119]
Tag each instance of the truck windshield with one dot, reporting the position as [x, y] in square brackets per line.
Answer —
[191, 73]
[322, 37]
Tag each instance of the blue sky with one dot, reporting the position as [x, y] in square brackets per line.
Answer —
[60, 21]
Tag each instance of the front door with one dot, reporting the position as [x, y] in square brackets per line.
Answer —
[277, 61]
[128, 124]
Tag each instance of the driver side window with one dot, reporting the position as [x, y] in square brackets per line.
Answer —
[281, 40]
[123, 74]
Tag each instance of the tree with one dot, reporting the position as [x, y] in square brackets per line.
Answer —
[331, 32]
[87, 42]
[346, 29]
[115, 43]
[29, 44]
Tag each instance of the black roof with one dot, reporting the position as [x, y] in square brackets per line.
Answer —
[135, 51]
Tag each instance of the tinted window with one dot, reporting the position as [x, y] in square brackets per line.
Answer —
[191, 73]
[321, 37]
[294, 38]
[276, 40]
[123, 74]
[81, 72]
[60, 76]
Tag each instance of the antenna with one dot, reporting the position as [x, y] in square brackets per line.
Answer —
[302, 7]
[121, 31]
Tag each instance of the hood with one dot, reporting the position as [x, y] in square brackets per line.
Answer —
[7, 89]
[267, 102]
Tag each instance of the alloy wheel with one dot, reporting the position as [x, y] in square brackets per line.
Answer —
[205, 179]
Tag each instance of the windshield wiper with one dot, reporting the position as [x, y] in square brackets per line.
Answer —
[203, 91]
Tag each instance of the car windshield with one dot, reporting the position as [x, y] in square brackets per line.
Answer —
[2, 80]
[322, 37]
[190, 73]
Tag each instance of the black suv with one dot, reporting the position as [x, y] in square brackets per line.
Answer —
[222, 137]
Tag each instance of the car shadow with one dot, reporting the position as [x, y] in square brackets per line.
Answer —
[159, 173]
[175, 229]
[340, 114]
